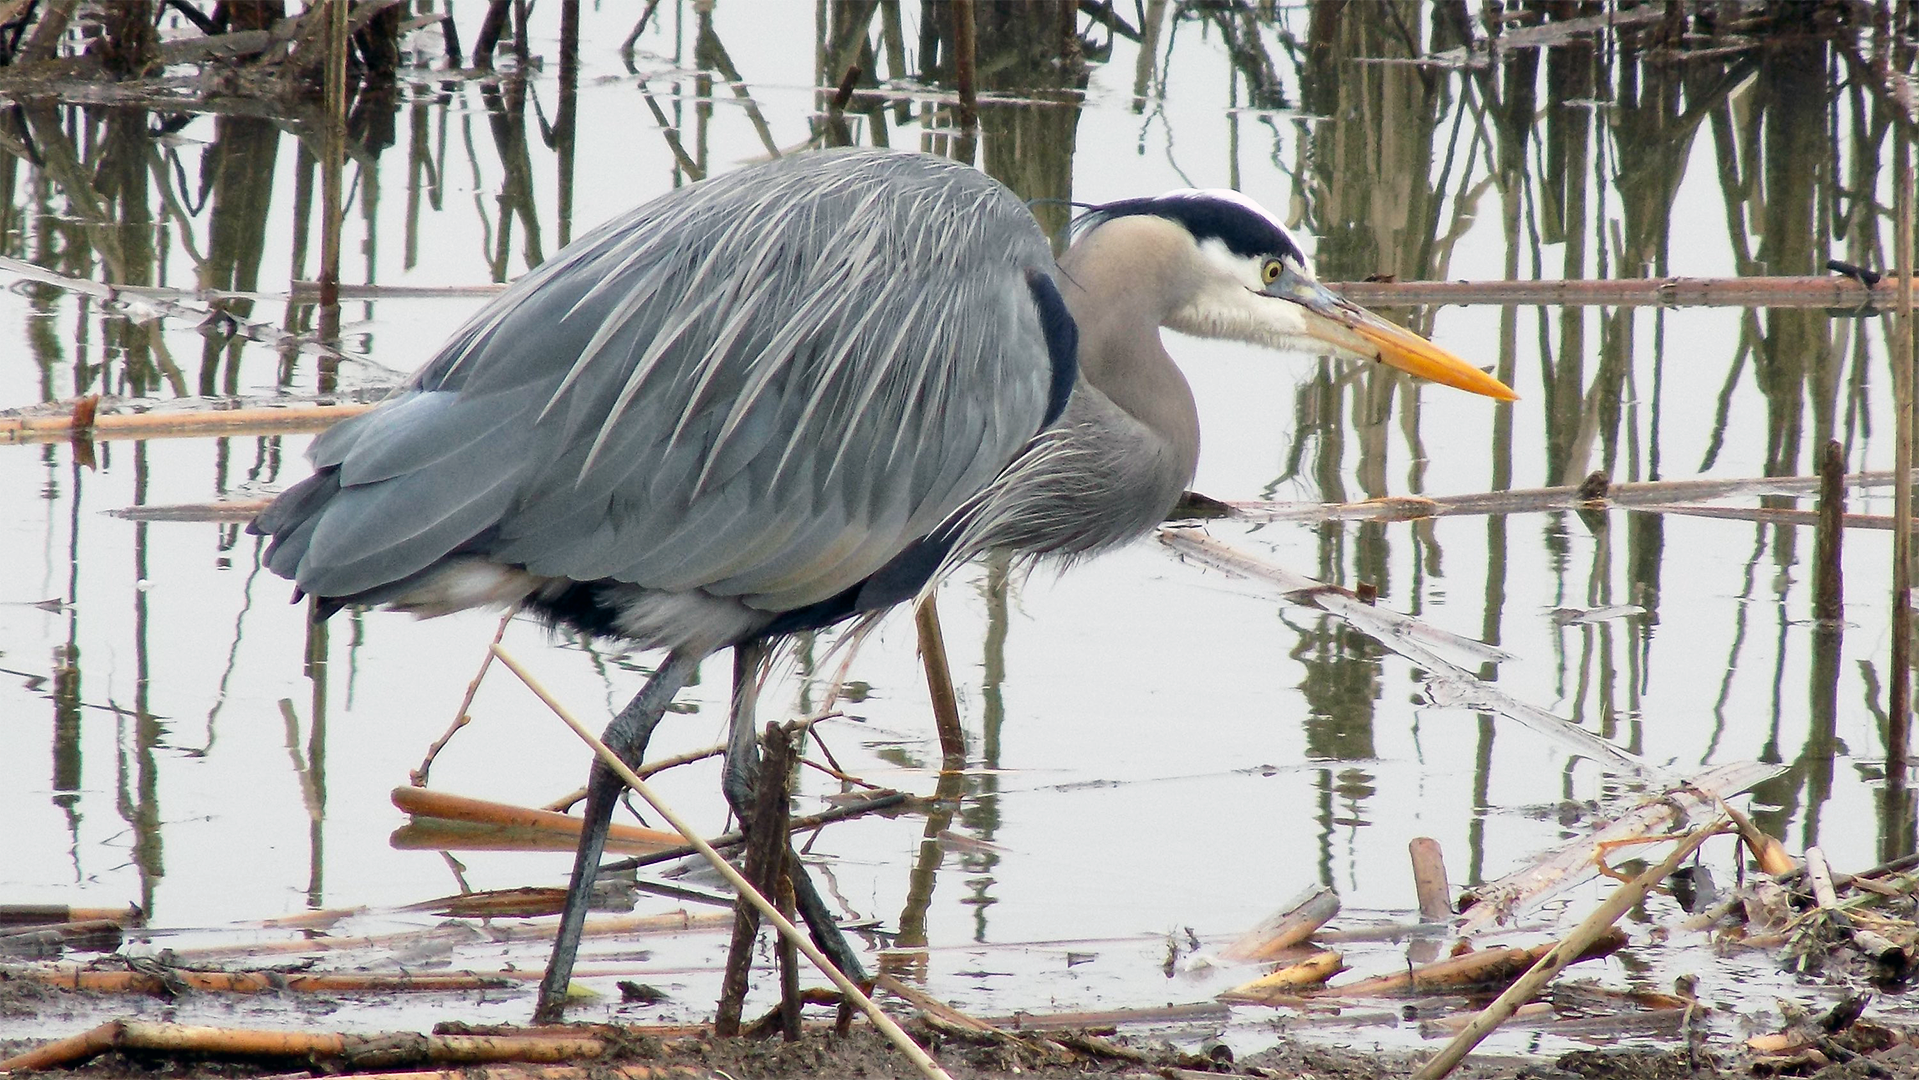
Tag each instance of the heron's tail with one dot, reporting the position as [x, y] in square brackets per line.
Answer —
[288, 523]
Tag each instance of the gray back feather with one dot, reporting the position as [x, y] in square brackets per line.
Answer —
[761, 386]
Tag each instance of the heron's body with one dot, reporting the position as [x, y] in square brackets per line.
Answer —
[791, 396]
[644, 440]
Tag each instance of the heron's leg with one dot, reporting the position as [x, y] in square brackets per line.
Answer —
[736, 781]
[742, 741]
[626, 736]
[821, 924]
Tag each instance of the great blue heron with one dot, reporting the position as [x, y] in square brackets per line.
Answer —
[791, 396]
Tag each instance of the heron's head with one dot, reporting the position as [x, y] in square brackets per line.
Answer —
[1243, 276]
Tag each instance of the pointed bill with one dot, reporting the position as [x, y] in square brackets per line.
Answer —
[1340, 322]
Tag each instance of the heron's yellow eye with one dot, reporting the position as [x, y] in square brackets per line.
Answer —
[1270, 272]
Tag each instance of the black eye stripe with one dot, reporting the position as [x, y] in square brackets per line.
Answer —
[1243, 232]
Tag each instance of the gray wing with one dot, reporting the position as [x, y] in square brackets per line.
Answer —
[762, 386]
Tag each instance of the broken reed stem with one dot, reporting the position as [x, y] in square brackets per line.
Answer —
[964, 58]
[1429, 880]
[893, 1032]
[765, 866]
[1828, 582]
[1819, 877]
[1767, 851]
[939, 683]
[1479, 969]
[789, 957]
[51, 914]
[154, 425]
[596, 1071]
[333, 182]
[251, 982]
[848, 82]
[461, 717]
[391, 1048]
[1550, 965]
[1292, 924]
[423, 803]
[1289, 981]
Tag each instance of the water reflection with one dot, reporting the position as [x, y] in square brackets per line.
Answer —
[1583, 158]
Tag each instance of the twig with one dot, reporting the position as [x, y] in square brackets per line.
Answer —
[1775, 515]
[522, 903]
[571, 799]
[842, 777]
[1631, 495]
[879, 801]
[1598, 924]
[885, 1023]
[461, 717]
[1829, 291]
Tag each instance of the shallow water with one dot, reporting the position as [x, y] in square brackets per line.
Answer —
[1155, 747]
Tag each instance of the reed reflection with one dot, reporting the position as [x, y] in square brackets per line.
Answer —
[141, 735]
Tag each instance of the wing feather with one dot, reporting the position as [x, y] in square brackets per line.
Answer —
[764, 386]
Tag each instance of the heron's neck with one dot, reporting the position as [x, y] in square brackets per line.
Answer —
[1122, 282]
